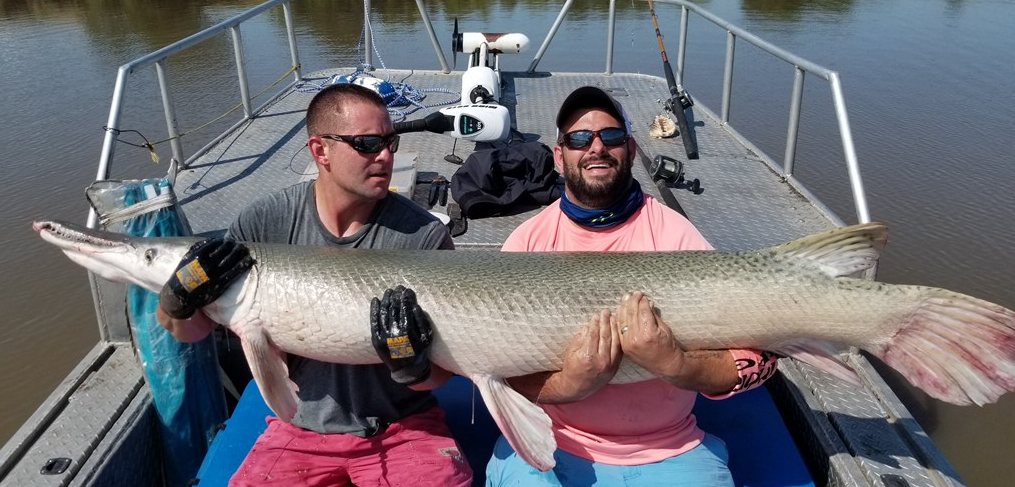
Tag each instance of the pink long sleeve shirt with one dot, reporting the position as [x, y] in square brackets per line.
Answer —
[628, 424]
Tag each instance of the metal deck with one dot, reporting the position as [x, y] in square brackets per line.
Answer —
[743, 205]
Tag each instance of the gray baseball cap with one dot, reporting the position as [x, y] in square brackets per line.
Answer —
[591, 97]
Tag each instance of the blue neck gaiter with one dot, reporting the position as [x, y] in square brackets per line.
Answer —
[615, 214]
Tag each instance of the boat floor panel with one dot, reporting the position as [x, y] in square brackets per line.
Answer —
[83, 421]
[742, 204]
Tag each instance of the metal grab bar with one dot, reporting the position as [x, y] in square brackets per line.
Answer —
[158, 59]
[800, 65]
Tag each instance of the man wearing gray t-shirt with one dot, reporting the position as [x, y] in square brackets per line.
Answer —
[354, 423]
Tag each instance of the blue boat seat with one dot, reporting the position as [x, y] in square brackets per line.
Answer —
[762, 453]
[231, 444]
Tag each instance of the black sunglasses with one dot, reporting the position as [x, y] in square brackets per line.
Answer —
[368, 144]
[582, 139]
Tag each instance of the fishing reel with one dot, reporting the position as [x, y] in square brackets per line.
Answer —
[481, 80]
[679, 97]
[671, 170]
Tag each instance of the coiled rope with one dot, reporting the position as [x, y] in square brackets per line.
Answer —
[402, 94]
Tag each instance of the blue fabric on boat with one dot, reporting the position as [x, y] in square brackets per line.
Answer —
[234, 441]
[470, 423]
[761, 451]
[183, 377]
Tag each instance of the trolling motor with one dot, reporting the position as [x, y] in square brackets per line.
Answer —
[478, 123]
[480, 117]
[481, 81]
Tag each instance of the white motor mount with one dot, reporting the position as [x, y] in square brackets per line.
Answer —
[481, 81]
[480, 84]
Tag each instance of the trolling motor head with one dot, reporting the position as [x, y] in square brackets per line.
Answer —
[478, 123]
[481, 81]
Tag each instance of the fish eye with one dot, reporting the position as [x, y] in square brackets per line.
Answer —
[149, 256]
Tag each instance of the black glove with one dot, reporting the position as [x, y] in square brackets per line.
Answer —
[209, 267]
[401, 334]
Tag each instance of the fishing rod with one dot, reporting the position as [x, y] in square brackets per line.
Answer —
[679, 99]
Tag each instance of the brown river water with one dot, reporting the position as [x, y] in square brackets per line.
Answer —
[930, 87]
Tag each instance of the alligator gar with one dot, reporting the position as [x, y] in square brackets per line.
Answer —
[498, 315]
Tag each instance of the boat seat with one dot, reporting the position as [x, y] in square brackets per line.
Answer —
[762, 453]
[232, 443]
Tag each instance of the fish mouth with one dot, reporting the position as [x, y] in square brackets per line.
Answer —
[66, 236]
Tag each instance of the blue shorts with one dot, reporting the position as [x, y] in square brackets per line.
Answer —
[703, 466]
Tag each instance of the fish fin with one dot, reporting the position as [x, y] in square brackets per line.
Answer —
[820, 354]
[955, 347]
[842, 251]
[524, 424]
[267, 364]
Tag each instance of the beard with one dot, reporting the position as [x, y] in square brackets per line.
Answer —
[598, 193]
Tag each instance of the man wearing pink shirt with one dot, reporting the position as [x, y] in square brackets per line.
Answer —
[631, 434]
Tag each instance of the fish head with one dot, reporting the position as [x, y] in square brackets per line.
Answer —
[147, 262]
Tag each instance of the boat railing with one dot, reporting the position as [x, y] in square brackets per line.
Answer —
[158, 59]
[799, 65]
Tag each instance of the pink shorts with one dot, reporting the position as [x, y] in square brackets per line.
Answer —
[416, 451]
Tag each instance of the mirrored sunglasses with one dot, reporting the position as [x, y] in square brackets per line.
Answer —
[582, 139]
[367, 144]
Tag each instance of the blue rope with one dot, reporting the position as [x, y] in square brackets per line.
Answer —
[402, 94]
[362, 60]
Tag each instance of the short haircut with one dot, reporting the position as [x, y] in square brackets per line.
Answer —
[332, 101]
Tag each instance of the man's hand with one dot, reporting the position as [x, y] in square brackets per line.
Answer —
[650, 343]
[209, 267]
[646, 340]
[401, 334]
[593, 357]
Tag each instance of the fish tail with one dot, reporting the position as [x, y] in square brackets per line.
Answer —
[955, 347]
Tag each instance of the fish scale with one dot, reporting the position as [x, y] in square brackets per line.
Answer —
[523, 305]
[498, 315]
